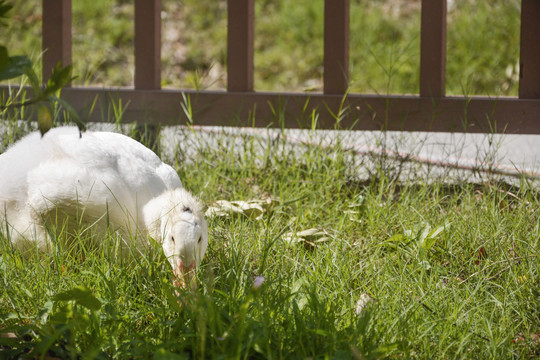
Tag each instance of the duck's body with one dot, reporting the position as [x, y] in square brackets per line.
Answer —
[97, 177]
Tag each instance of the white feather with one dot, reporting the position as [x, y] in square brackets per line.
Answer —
[101, 176]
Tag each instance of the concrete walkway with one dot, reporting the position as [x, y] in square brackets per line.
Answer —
[426, 156]
[435, 156]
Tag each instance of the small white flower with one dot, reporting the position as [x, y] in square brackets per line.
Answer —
[361, 304]
[257, 283]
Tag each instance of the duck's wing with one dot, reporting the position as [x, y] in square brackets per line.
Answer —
[141, 168]
[94, 168]
[86, 176]
[15, 164]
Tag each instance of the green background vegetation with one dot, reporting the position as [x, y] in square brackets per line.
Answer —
[483, 44]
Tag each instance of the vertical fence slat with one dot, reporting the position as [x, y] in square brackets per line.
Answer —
[240, 29]
[336, 46]
[56, 35]
[148, 44]
[433, 48]
[529, 63]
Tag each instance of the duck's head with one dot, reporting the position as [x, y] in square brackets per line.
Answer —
[183, 233]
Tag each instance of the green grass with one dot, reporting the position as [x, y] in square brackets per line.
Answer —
[483, 44]
[415, 248]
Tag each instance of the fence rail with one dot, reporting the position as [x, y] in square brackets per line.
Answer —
[240, 105]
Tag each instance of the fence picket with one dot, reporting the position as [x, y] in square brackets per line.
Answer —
[148, 44]
[433, 49]
[240, 28]
[336, 46]
[56, 35]
[529, 63]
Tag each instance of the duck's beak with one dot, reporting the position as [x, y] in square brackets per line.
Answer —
[185, 275]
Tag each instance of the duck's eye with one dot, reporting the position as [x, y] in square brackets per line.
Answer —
[172, 238]
[200, 239]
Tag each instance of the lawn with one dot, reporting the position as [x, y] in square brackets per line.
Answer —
[451, 270]
[394, 265]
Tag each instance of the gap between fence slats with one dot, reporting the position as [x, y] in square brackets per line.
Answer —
[433, 49]
[148, 44]
[529, 64]
[56, 35]
[336, 46]
[240, 32]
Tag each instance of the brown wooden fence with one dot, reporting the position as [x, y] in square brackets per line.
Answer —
[431, 110]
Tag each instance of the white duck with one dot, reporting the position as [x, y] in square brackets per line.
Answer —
[103, 178]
